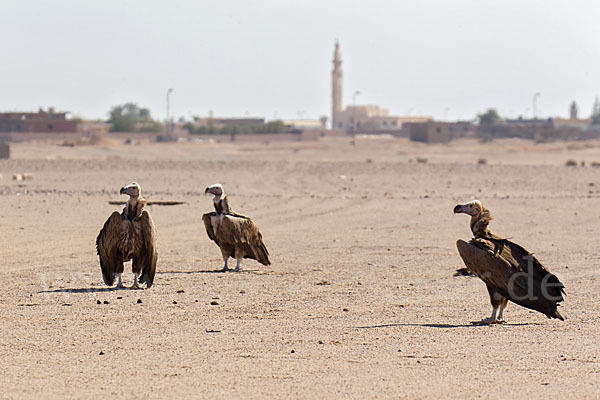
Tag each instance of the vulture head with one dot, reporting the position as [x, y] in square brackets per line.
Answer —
[216, 189]
[133, 189]
[472, 208]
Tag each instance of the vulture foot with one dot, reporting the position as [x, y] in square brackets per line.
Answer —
[488, 321]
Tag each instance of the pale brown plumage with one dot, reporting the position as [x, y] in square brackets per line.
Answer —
[236, 235]
[126, 236]
[509, 271]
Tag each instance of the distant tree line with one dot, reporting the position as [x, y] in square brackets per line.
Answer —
[490, 117]
[210, 129]
[131, 118]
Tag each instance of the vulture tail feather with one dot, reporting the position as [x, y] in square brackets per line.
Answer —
[263, 255]
[463, 272]
[556, 315]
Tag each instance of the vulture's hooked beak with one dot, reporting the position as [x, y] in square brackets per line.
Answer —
[207, 190]
[123, 190]
[458, 209]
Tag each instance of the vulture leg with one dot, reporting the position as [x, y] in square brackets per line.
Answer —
[498, 304]
[226, 254]
[120, 283]
[503, 305]
[239, 255]
[135, 282]
[492, 319]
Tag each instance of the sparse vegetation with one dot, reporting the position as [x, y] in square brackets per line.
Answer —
[571, 163]
[131, 118]
[269, 127]
[490, 117]
[482, 161]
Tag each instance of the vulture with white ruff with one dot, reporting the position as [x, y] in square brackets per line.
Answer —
[236, 235]
[126, 236]
[509, 271]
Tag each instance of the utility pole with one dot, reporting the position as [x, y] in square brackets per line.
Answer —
[356, 93]
[168, 123]
[534, 104]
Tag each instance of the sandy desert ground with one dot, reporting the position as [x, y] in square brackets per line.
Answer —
[360, 301]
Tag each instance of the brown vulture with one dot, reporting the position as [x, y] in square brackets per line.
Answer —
[126, 236]
[509, 271]
[236, 235]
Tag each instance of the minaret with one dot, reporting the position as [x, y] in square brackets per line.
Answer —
[573, 111]
[336, 86]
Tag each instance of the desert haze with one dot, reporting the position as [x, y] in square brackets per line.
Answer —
[359, 301]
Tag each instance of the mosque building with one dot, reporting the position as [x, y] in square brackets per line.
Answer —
[368, 118]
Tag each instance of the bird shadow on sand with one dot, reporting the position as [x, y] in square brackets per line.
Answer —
[201, 271]
[445, 326]
[85, 290]
[215, 271]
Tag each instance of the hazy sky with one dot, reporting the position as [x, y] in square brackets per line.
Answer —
[448, 59]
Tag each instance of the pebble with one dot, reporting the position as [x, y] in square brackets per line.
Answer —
[139, 301]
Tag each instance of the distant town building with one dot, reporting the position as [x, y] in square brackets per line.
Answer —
[4, 150]
[361, 118]
[41, 122]
[438, 132]
[539, 129]
[94, 127]
[372, 118]
[229, 122]
[581, 124]
[303, 124]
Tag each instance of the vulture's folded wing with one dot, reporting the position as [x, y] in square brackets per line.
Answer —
[514, 273]
[107, 248]
[242, 231]
[149, 256]
[209, 226]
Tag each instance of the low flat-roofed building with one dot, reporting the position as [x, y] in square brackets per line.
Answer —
[438, 132]
[40, 122]
[372, 118]
[222, 122]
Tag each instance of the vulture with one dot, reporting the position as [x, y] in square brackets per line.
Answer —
[236, 235]
[126, 236]
[509, 271]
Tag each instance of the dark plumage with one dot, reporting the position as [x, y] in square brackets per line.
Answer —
[236, 235]
[126, 236]
[509, 271]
